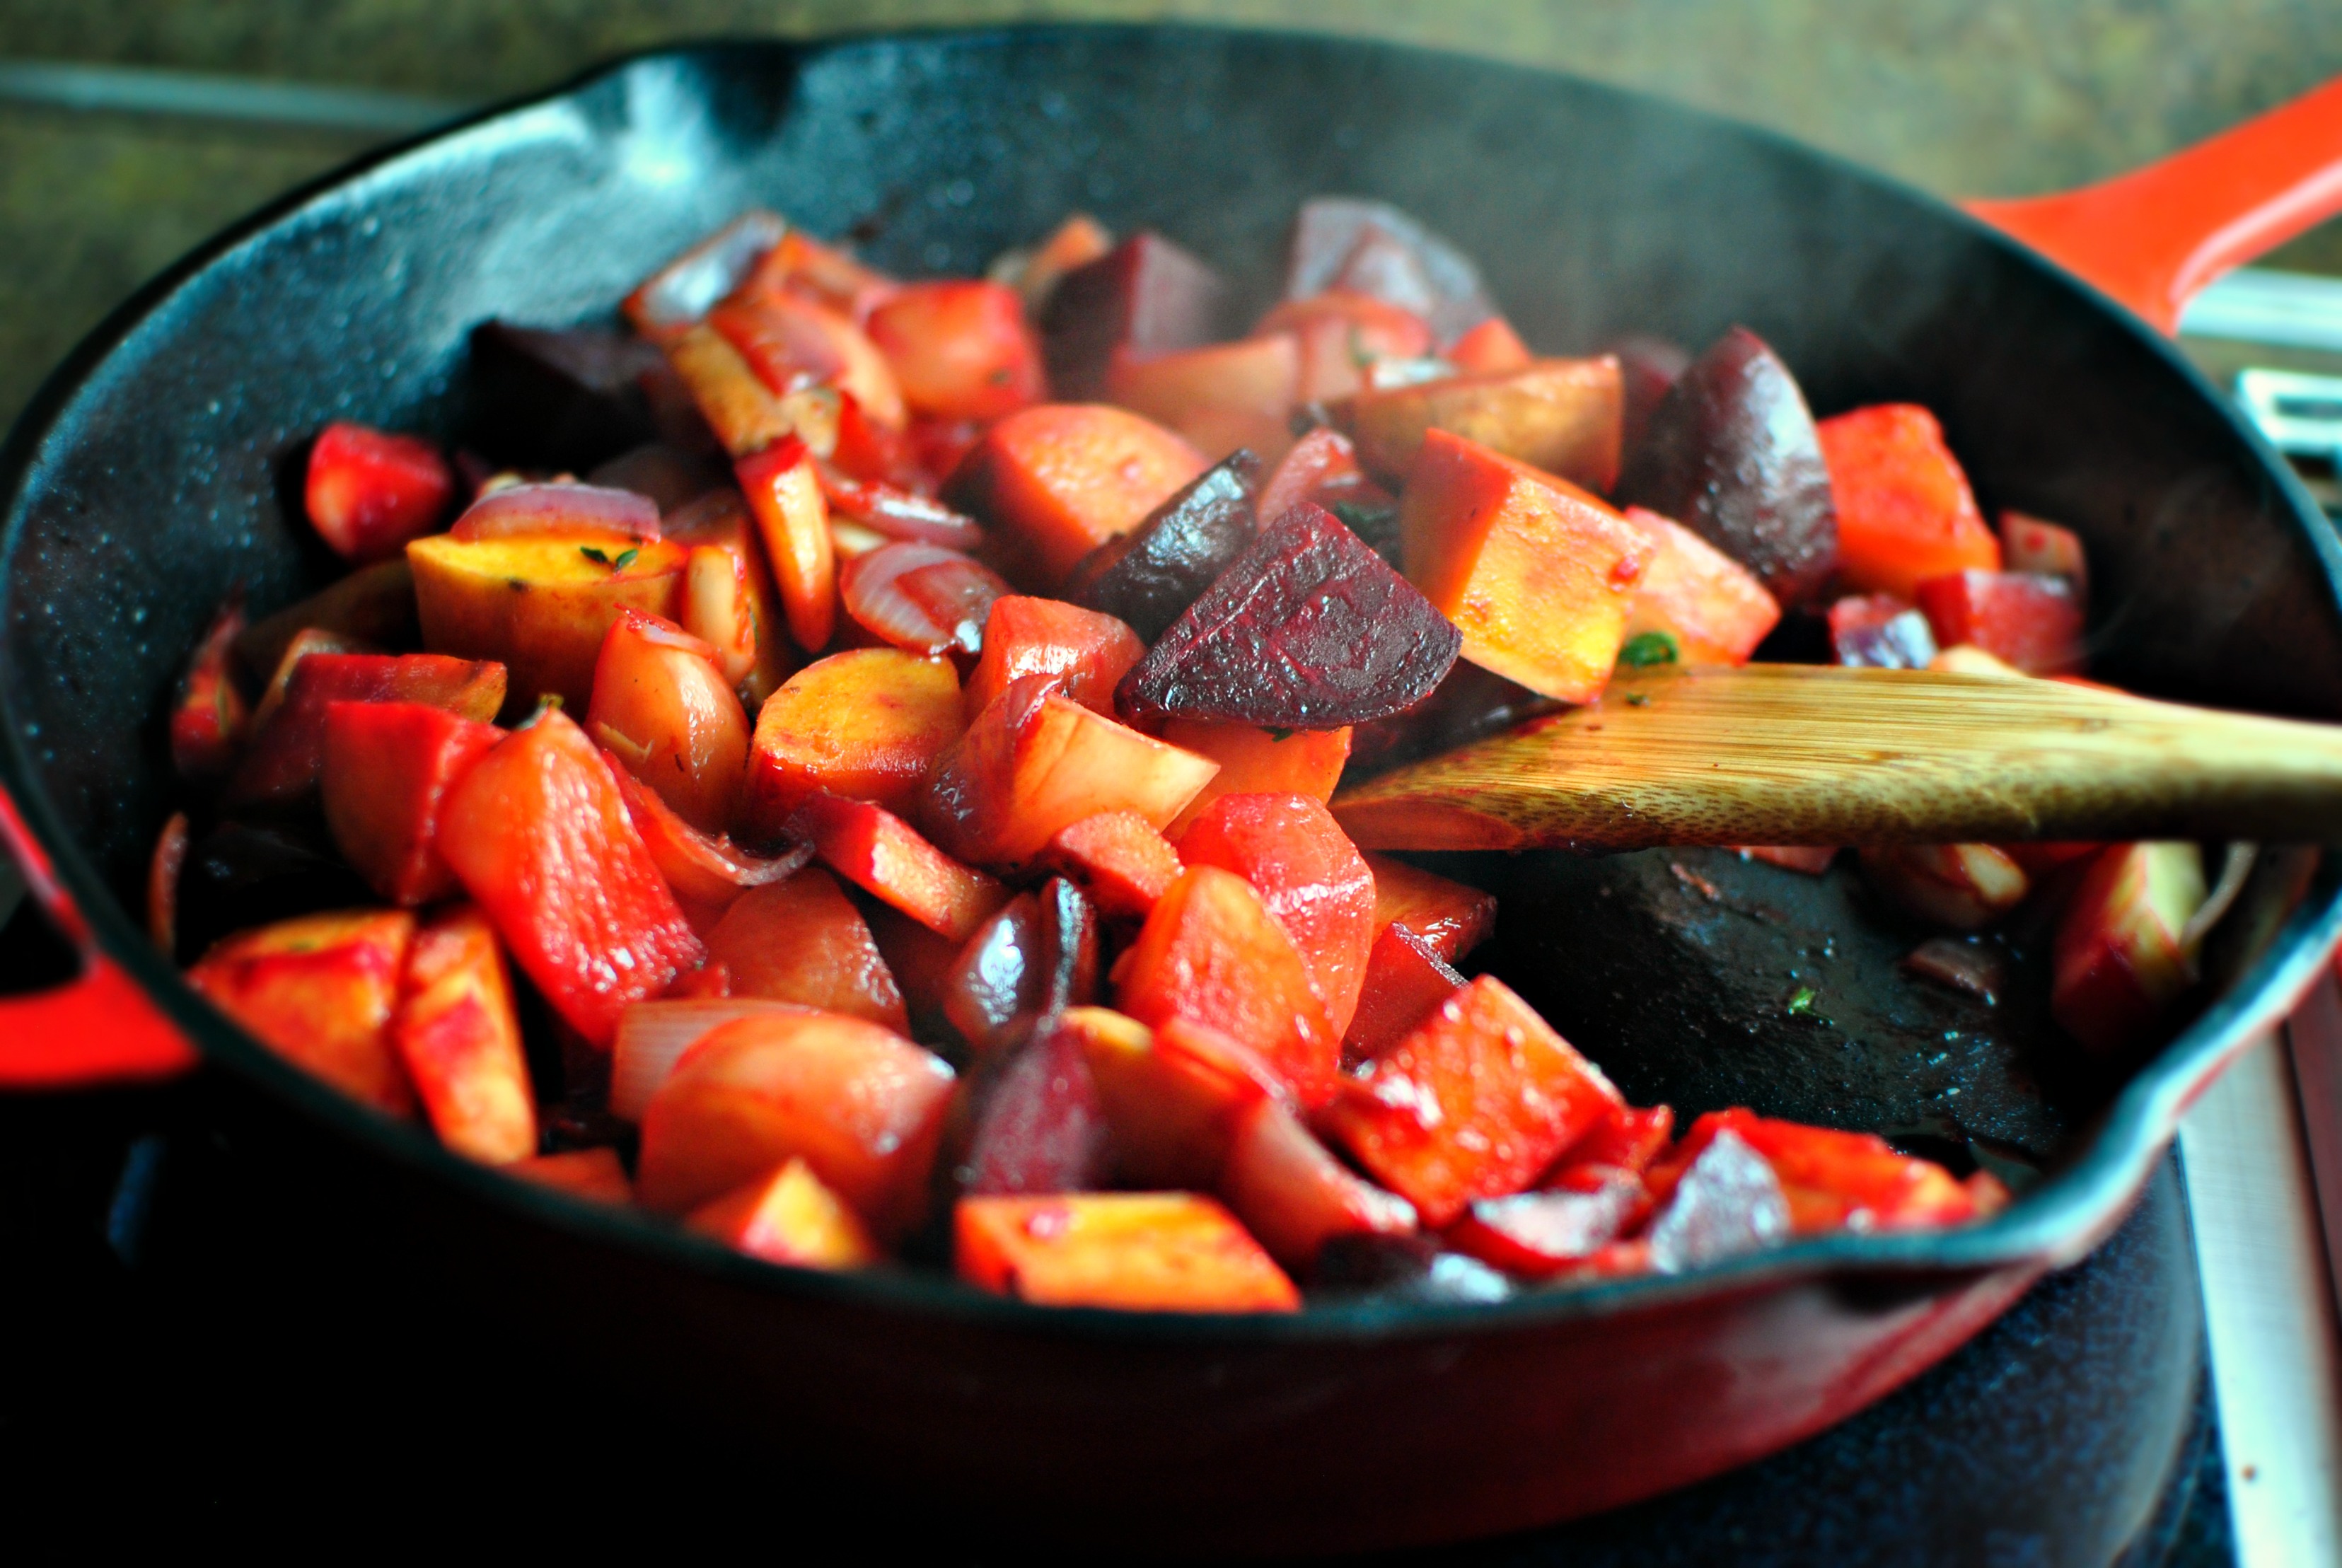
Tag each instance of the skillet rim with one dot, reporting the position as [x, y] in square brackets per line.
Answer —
[2052, 1224]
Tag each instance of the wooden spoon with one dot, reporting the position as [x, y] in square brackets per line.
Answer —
[1805, 754]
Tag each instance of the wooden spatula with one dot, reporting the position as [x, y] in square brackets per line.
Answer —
[1803, 754]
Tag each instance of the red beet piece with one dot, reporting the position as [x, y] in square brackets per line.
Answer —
[997, 977]
[1069, 946]
[2030, 619]
[1732, 454]
[1405, 981]
[1647, 367]
[1373, 247]
[1307, 629]
[559, 399]
[1146, 295]
[1880, 632]
[1469, 703]
[1728, 1203]
[1147, 577]
[1039, 1127]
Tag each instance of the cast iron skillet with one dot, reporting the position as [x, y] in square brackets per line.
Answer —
[144, 481]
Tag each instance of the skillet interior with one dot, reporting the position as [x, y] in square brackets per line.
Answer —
[152, 476]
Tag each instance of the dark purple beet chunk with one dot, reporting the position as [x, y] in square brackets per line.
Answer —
[1647, 367]
[1469, 704]
[1039, 1127]
[1308, 629]
[1069, 947]
[1148, 577]
[1728, 1203]
[1731, 454]
[565, 399]
[1145, 295]
[1343, 242]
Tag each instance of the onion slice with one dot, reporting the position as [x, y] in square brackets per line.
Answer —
[706, 872]
[899, 514]
[921, 598]
[653, 1036]
[558, 507]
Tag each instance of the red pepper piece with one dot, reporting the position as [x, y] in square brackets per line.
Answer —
[2031, 621]
[1628, 1140]
[387, 769]
[537, 832]
[288, 752]
[1904, 511]
[369, 491]
[1472, 1104]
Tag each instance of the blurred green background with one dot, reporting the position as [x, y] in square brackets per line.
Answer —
[1963, 96]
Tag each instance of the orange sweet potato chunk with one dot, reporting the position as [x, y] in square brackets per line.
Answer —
[1255, 760]
[885, 855]
[1218, 397]
[1904, 511]
[1710, 606]
[1139, 1252]
[1212, 954]
[1563, 416]
[788, 1217]
[1090, 652]
[1538, 576]
[320, 990]
[861, 1105]
[1472, 1105]
[459, 1036]
[1451, 918]
[801, 940]
[868, 724]
[1118, 859]
[1060, 479]
[1172, 1097]
[1304, 868]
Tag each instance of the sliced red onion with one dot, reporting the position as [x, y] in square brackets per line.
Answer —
[900, 514]
[702, 868]
[921, 598]
[654, 1035]
[688, 287]
[559, 508]
[1963, 965]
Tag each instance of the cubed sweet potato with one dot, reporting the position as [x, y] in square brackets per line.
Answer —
[801, 940]
[664, 708]
[1538, 576]
[1218, 398]
[1119, 859]
[1452, 918]
[887, 857]
[1090, 652]
[1472, 1105]
[320, 991]
[1563, 416]
[862, 1106]
[1035, 762]
[1904, 511]
[387, 768]
[1258, 761]
[1138, 1252]
[539, 604]
[538, 833]
[1057, 480]
[788, 1217]
[1211, 953]
[459, 1036]
[1308, 873]
[868, 723]
[1710, 608]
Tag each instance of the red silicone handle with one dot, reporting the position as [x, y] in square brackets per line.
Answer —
[2152, 238]
[99, 1028]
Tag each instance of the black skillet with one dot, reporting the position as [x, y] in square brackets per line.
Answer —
[146, 480]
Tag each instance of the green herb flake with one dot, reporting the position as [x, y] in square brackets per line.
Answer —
[1278, 733]
[1801, 1004]
[625, 558]
[1638, 699]
[591, 554]
[1647, 648]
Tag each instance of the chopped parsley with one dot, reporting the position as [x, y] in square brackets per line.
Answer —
[625, 558]
[1279, 732]
[591, 554]
[1801, 1004]
[1647, 648]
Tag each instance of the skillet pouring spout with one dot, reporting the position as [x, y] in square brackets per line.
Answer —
[1811, 754]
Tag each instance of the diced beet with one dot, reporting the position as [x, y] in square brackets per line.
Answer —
[1469, 704]
[368, 491]
[564, 399]
[1728, 1203]
[1648, 366]
[1307, 629]
[998, 978]
[921, 598]
[1146, 295]
[1148, 577]
[1538, 1234]
[1040, 1126]
[2031, 620]
[1294, 1195]
[1731, 453]
[288, 749]
[208, 721]
[1880, 632]
[1904, 511]
[1069, 946]
[1405, 981]
[1343, 242]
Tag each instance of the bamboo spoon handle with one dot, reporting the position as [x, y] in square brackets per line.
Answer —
[1803, 754]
